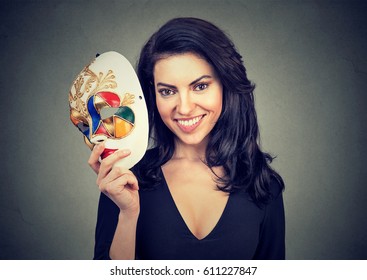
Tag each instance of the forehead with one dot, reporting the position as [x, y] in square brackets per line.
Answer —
[181, 68]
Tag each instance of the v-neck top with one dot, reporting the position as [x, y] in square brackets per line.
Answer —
[244, 230]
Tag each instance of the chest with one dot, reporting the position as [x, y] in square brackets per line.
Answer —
[196, 198]
[163, 234]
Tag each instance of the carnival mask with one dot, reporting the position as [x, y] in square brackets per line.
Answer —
[107, 105]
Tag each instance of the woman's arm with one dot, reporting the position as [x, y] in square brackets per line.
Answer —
[272, 234]
[123, 244]
[121, 187]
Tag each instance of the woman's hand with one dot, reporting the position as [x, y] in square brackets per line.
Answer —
[118, 183]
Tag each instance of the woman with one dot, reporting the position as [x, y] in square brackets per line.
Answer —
[205, 190]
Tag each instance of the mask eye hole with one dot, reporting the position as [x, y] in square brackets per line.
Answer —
[83, 127]
[108, 112]
[79, 121]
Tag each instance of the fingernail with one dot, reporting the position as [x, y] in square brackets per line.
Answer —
[124, 152]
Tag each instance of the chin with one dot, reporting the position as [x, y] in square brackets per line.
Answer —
[193, 141]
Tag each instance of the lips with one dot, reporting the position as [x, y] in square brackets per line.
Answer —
[107, 152]
[189, 124]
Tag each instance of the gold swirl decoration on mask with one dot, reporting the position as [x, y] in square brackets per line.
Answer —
[89, 83]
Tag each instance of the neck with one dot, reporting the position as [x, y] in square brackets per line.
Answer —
[190, 152]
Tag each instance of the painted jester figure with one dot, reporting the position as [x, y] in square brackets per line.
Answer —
[204, 189]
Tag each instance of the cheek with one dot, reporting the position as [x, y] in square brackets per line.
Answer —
[219, 99]
[164, 108]
[220, 106]
[215, 103]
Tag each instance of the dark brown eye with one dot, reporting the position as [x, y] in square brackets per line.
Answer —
[165, 92]
[200, 87]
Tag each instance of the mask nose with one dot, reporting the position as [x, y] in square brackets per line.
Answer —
[97, 139]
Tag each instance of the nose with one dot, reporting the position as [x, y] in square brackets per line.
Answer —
[185, 104]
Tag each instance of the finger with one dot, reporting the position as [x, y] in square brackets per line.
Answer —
[107, 163]
[113, 175]
[118, 185]
[130, 181]
[93, 160]
[126, 181]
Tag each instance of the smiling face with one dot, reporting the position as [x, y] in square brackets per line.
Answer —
[188, 96]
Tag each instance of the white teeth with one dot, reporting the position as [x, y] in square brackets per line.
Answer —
[189, 122]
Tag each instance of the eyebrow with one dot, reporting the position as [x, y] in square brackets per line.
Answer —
[192, 83]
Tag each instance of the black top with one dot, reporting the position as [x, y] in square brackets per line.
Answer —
[244, 230]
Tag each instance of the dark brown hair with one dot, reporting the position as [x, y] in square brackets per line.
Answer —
[234, 141]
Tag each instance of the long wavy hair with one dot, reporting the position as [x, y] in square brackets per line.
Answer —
[234, 140]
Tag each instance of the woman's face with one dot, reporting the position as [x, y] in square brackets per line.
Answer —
[188, 96]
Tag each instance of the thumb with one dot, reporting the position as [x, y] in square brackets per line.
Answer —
[93, 160]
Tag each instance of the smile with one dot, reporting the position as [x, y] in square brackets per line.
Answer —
[188, 125]
[190, 122]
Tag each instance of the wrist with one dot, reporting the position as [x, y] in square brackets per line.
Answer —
[129, 214]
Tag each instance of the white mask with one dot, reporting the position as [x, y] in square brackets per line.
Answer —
[107, 105]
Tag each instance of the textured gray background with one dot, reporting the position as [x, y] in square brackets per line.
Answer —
[308, 59]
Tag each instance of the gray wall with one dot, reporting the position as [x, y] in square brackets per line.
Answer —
[308, 59]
